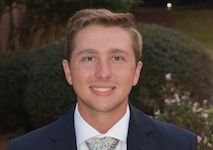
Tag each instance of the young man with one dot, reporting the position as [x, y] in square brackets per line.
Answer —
[102, 65]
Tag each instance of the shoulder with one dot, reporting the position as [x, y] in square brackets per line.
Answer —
[165, 135]
[166, 129]
[173, 135]
[44, 137]
[34, 138]
[156, 125]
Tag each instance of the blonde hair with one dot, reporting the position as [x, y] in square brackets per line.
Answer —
[106, 18]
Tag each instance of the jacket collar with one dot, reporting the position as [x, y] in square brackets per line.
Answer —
[139, 128]
[63, 134]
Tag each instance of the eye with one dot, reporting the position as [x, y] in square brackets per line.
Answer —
[117, 58]
[89, 58]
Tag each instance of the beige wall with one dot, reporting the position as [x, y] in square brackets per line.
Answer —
[11, 17]
[10, 38]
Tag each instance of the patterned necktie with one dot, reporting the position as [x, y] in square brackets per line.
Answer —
[106, 143]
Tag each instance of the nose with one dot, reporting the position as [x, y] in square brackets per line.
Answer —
[103, 70]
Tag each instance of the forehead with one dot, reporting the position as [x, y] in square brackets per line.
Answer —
[99, 37]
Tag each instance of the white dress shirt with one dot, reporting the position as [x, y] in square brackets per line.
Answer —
[84, 131]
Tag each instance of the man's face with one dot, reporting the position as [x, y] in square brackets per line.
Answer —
[102, 69]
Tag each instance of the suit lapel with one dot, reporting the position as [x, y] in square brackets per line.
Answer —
[139, 128]
[63, 135]
[64, 132]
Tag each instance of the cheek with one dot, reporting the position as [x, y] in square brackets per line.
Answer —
[80, 74]
[125, 74]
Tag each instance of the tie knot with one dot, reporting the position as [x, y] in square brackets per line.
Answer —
[106, 143]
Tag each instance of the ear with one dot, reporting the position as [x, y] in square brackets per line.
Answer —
[67, 71]
[137, 72]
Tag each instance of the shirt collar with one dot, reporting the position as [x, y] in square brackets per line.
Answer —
[84, 131]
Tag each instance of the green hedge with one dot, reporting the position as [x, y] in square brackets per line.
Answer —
[13, 80]
[167, 51]
[47, 95]
[33, 82]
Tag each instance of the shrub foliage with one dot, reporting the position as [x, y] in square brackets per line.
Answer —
[47, 95]
[13, 80]
[167, 51]
[178, 109]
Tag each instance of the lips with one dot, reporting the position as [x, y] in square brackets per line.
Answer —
[102, 89]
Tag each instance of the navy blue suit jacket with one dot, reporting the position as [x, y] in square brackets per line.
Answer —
[144, 133]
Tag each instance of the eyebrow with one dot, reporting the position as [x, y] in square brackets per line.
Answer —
[115, 50]
[87, 51]
[93, 51]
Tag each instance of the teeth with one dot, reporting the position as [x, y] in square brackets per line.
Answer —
[102, 89]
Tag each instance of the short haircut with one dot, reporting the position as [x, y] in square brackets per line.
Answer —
[104, 17]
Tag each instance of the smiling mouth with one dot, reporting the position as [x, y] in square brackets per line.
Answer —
[102, 89]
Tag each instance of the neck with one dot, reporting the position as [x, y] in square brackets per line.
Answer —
[102, 121]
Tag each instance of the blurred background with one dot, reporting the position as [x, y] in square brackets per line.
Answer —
[176, 83]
